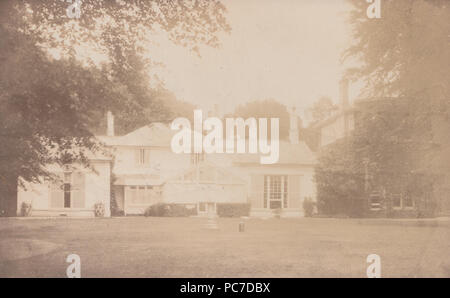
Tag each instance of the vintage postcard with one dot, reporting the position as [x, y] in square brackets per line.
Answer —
[225, 139]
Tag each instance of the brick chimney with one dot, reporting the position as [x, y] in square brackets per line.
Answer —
[293, 126]
[109, 124]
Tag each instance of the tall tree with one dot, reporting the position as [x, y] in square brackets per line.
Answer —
[322, 108]
[401, 60]
[404, 56]
[268, 108]
[406, 51]
[48, 106]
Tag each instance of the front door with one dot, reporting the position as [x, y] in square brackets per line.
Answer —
[206, 208]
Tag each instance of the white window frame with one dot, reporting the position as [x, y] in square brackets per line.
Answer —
[67, 170]
[402, 203]
[140, 190]
[70, 182]
[284, 191]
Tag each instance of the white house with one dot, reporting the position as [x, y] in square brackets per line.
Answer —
[75, 193]
[145, 171]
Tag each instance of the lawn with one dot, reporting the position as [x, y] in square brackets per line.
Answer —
[185, 247]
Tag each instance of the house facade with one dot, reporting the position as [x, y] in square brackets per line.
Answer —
[75, 191]
[144, 171]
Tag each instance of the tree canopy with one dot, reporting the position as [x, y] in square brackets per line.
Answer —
[322, 108]
[59, 75]
[404, 53]
[268, 108]
[402, 59]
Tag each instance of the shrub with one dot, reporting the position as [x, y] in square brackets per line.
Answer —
[118, 213]
[25, 209]
[180, 210]
[233, 209]
[155, 210]
[308, 207]
[170, 210]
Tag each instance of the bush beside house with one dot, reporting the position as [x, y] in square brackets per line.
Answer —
[233, 209]
[308, 207]
[170, 210]
[25, 209]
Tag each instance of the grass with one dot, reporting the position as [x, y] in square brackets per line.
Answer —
[185, 247]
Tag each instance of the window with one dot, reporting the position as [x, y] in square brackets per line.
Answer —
[397, 201]
[66, 195]
[407, 201]
[400, 201]
[196, 158]
[206, 207]
[275, 192]
[67, 189]
[375, 201]
[132, 193]
[202, 207]
[142, 195]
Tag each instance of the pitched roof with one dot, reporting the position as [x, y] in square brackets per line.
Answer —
[208, 171]
[298, 154]
[160, 135]
[155, 135]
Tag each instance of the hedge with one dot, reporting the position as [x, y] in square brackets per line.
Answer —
[233, 209]
[170, 210]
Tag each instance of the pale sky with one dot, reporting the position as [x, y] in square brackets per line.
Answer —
[283, 49]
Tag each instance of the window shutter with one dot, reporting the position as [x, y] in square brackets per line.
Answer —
[257, 191]
[57, 193]
[294, 195]
[78, 190]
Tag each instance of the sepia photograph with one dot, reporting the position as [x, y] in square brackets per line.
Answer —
[224, 143]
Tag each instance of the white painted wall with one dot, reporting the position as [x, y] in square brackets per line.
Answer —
[194, 193]
[97, 189]
[162, 161]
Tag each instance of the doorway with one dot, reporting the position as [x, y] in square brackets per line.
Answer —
[206, 208]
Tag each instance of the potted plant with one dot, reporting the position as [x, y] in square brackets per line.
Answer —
[25, 209]
[99, 209]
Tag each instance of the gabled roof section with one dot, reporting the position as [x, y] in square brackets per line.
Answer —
[290, 154]
[154, 135]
